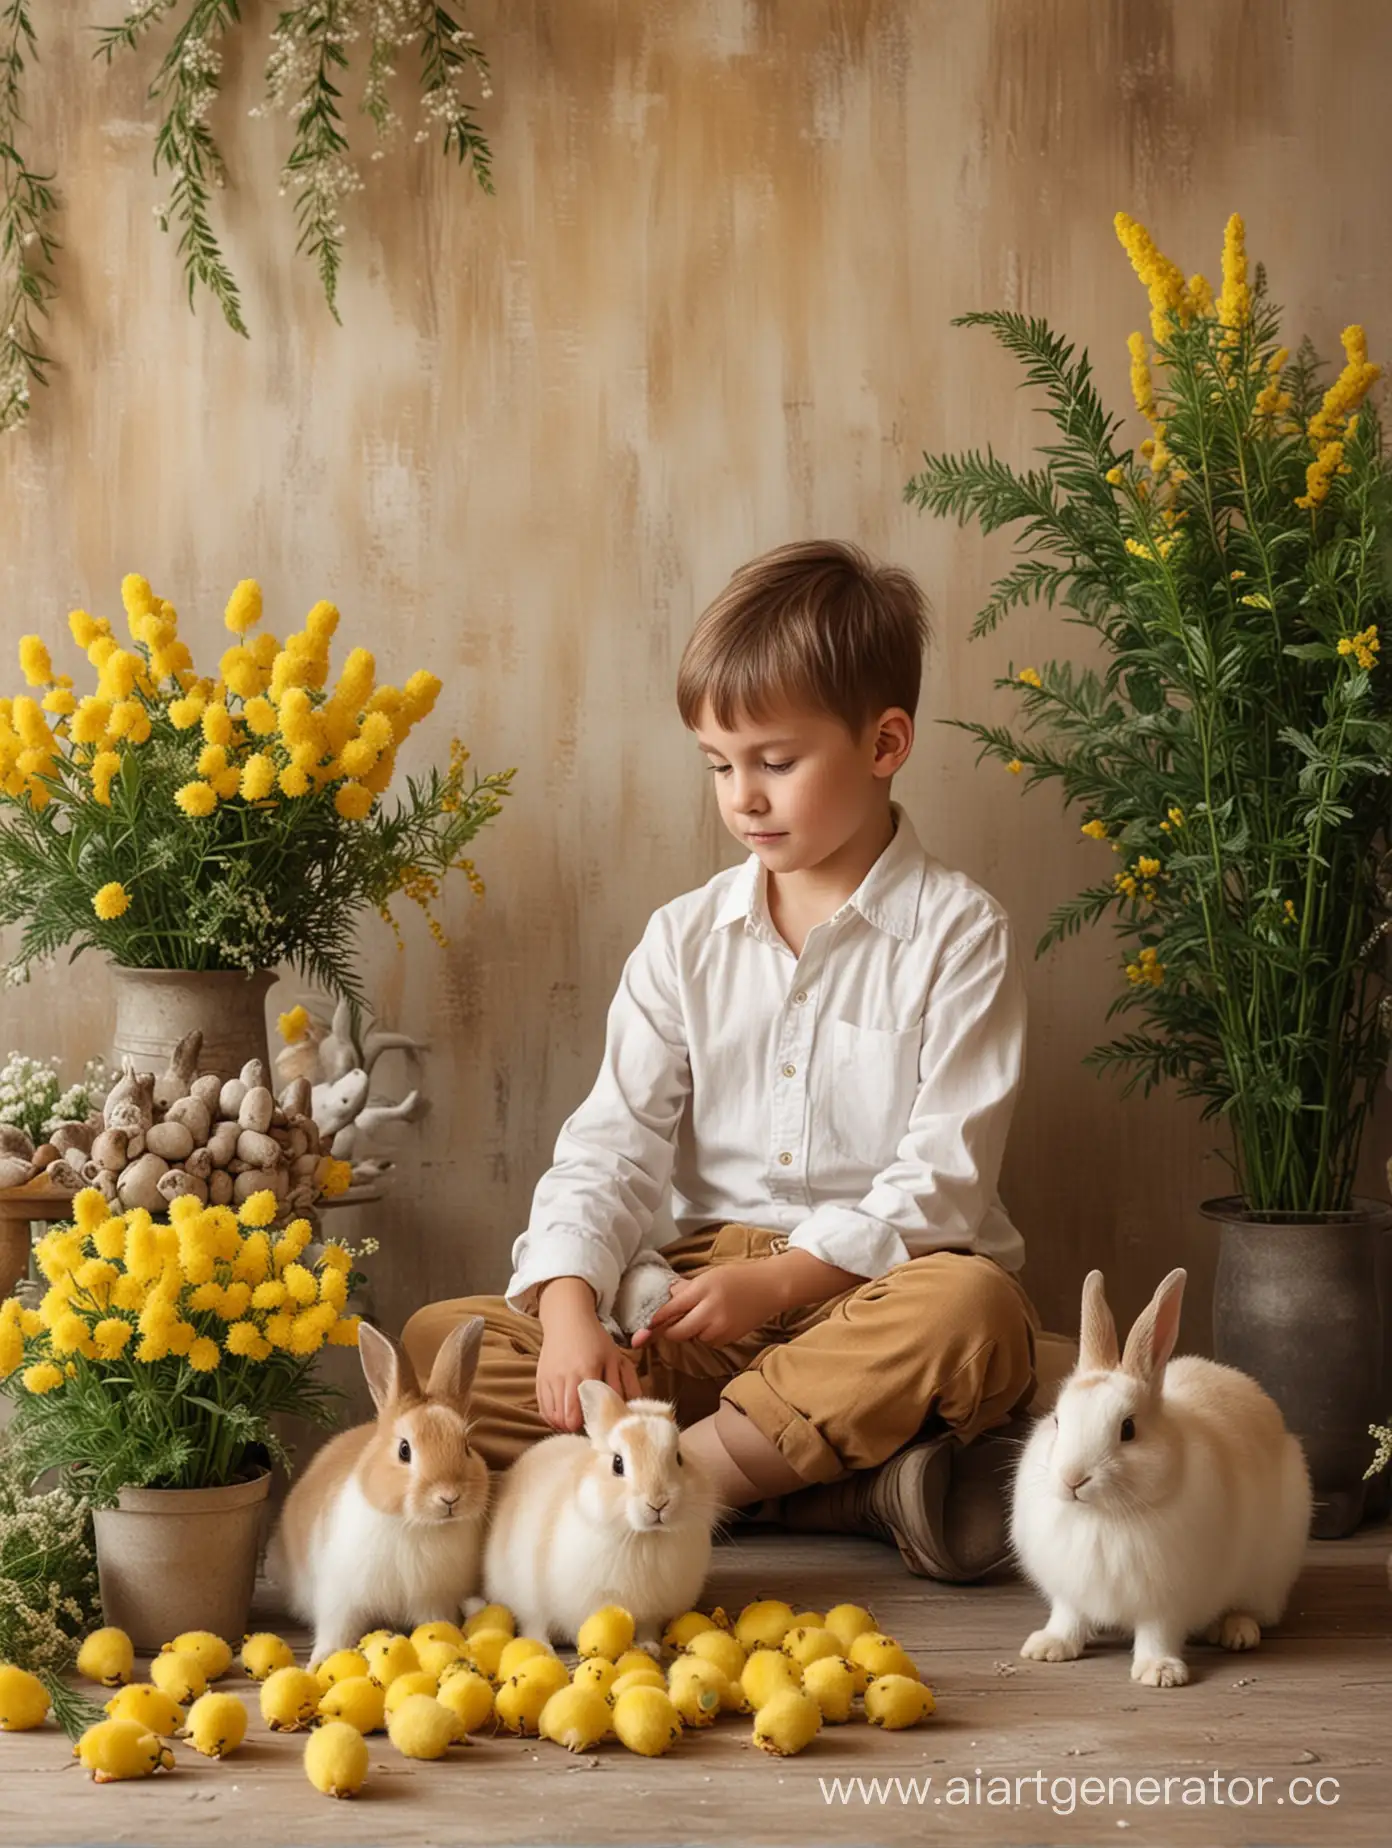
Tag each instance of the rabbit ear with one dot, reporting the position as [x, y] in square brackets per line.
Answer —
[1155, 1331]
[457, 1361]
[602, 1407]
[389, 1374]
[1098, 1347]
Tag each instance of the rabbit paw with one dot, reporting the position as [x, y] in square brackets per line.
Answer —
[1044, 1646]
[1160, 1671]
[1234, 1630]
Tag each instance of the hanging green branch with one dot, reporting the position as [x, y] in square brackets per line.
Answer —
[27, 244]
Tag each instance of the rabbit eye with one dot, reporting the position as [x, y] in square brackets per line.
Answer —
[1128, 1430]
[403, 1452]
[618, 1464]
[679, 1459]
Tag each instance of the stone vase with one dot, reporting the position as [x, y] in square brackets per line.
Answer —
[170, 1560]
[155, 1008]
[1301, 1306]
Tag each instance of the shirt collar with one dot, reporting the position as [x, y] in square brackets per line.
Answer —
[887, 897]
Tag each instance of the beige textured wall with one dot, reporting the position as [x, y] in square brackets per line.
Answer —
[707, 312]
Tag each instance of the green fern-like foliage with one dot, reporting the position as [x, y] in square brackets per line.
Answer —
[1230, 737]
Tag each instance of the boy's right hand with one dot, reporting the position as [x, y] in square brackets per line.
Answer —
[575, 1346]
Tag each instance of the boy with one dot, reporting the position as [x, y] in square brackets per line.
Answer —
[809, 1072]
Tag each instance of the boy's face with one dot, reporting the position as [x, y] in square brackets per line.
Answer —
[796, 786]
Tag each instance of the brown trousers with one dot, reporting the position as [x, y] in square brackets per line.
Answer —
[940, 1344]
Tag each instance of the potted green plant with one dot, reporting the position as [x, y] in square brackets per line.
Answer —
[150, 1372]
[1232, 747]
[200, 829]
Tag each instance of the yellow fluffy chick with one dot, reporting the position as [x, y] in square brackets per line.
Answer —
[469, 1697]
[813, 1620]
[422, 1728]
[807, 1642]
[596, 1674]
[649, 1677]
[788, 1723]
[335, 1759]
[485, 1650]
[374, 1636]
[517, 1651]
[766, 1673]
[848, 1621]
[181, 1676]
[436, 1655]
[491, 1617]
[417, 1682]
[390, 1656]
[290, 1700]
[635, 1658]
[768, 1621]
[263, 1654]
[522, 1696]
[896, 1701]
[24, 1701]
[577, 1718]
[107, 1656]
[149, 1707]
[116, 1749]
[646, 1721]
[606, 1632]
[720, 1647]
[358, 1700]
[342, 1665]
[878, 1655]
[438, 1631]
[214, 1655]
[699, 1691]
[831, 1681]
[217, 1725]
[681, 1630]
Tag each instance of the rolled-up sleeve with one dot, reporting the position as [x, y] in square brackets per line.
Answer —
[943, 1179]
[594, 1206]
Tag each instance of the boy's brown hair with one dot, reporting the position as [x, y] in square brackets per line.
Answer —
[817, 623]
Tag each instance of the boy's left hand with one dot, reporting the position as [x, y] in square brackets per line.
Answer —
[718, 1305]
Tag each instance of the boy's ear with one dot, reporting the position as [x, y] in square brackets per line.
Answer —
[894, 736]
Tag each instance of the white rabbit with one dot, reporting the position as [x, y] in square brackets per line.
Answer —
[1162, 1498]
[386, 1524]
[618, 1516]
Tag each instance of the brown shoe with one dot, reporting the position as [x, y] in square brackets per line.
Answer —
[945, 1505]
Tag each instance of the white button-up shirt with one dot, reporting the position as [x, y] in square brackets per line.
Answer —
[856, 1097]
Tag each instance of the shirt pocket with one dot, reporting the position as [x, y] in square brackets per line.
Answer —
[873, 1083]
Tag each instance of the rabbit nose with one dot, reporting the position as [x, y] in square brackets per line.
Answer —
[1074, 1483]
[449, 1501]
[657, 1507]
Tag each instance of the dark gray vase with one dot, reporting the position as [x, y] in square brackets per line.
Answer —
[1301, 1306]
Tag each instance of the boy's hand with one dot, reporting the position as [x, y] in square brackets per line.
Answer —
[575, 1350]
[720, 1304]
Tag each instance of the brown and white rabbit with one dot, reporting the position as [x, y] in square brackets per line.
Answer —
[386, 1524]
[618, 1516]
[1164, 1498]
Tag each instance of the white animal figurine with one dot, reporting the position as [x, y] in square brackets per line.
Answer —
[618, 1516]
[1162, 1498]
[386, 1523]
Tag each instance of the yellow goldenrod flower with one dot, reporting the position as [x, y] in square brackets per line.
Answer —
[293, 1025]
[293, 781]
[300, 1284]
[71, 1335]
[1142, 386]
[243, 607]
[60, 701]
[352, 801]
[356, 758]
[1115, 476]
[258, 1209]
[11, 1349]
[185, 713]
[1363, 647]
[1201, 294]
[34, 661]
[260, 716]
[212, 760]
[239, 670]
[227, 783]
[110, 1238]
[119, 672]
[103, 768]
[217, 725]
[321, 623]
[90, 720]
[258, 777]
[336, 1257]
[344, 1332]
[277, 1330]
[269, 1295]
[112, 901]
[333, 1289]
[1169, 298]
[1014, 767]
[1147, 867]
[1348, 391]
[196, 799]
[337, 1179]
[43, 1377]
[245, 1339]
[1097, 829]
[1319, 475]
[264, 647]
[1235, 298]
[1030, 677]
[204, 1354]
[110, 1337]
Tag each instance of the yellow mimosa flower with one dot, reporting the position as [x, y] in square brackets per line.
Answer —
[112, 901]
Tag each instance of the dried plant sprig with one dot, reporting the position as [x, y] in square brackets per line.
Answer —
[27, 243]
[315, 37]
[447, 51]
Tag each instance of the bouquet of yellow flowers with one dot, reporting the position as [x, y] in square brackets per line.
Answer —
[159, 1353]
[232, 821]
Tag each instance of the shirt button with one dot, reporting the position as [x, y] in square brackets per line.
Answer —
[800, 996]
[790, 1071]
[786, 1159]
